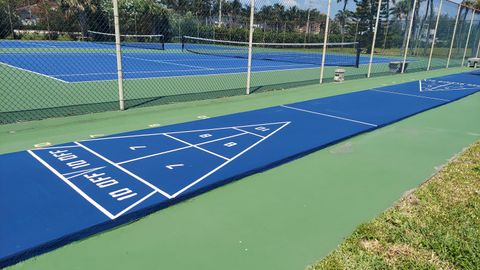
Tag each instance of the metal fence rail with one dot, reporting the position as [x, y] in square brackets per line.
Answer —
[61, 58]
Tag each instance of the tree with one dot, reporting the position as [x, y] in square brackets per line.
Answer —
[365, 15]
[402, 12]
[342, 17]
[78, 9]
[8, 20]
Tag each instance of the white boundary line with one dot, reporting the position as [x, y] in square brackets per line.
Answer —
[168, 63]
[201, 75]
[123, 137]
[299, 66]
[73, 186]
[231, 127]
[329, 115]
[179, 149]
[420, 85]
[227, 162]
[199, 148]
[154, 155]
[409, 95]
[254, 134]
[56, 147]
[177, 132]
[125, 171]
[33, 72]
[135, 204]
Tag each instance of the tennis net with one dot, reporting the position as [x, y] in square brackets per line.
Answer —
[338, 54]
[155, 42]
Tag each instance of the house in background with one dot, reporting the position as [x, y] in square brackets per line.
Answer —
[33, 14]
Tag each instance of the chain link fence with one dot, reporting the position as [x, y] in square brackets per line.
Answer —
[67, 57]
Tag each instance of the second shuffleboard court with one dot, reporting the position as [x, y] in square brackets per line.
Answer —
[52, 196]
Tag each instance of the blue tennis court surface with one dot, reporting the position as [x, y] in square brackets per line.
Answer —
[80, 62]
[52, 196]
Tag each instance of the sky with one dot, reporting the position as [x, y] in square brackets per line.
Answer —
[318, 4]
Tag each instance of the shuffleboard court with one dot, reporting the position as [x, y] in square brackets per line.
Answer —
[75, 62]
[67, 192]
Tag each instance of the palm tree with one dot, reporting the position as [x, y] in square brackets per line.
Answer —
[343, 18]
[401, 11]
[278, 15]
[73, 8]
[235, 10]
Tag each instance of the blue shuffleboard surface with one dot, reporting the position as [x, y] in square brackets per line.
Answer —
[54, 195]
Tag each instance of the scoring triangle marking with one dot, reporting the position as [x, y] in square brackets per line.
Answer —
[429, 85]
[282, 125]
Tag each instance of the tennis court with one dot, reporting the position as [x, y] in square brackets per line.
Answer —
[73, 62]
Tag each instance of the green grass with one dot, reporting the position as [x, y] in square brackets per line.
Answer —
[437, 226]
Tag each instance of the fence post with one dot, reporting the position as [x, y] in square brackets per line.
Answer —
[250, 46]
[121, 98]
[478, 48]
[325, 39]
[10, 19]
[468, 38]
[220, 12]
[434, 36]
[408, 36]
[374, 38]
[453, 36]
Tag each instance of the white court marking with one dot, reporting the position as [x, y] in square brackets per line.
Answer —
[230, 160]
[299, 66]
[430, 85]
[67, 176]
[124, 170]
[409, 95]
[178, 149]
[73, 186]
[177, 132]
[173, 166]
[330, 115]
[133, 148]
[34, 72]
